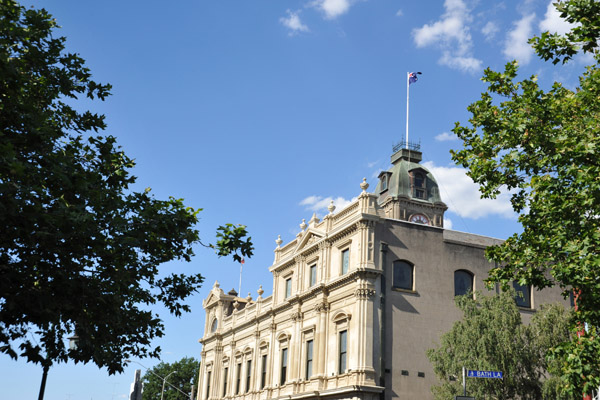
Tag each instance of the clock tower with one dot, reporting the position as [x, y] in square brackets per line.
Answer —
[408, 191]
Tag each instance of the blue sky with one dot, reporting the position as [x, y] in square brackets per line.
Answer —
[262, 112]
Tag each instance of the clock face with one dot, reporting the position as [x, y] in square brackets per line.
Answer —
[419, 219]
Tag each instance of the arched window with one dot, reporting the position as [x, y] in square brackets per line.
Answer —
[403, 275]
[522, 295]
[213, 327]
[463, 282]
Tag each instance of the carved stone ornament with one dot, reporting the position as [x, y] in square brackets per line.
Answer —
[273, 326]
[364, 185]
[331, 207]
[303, 224]
[297, 316]
[364, 293]
[278, 241]
[322, 307]
[260, 291]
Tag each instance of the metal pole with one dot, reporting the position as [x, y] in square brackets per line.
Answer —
[43, 385]
[162, 392]
[465, 381]
[407, 95]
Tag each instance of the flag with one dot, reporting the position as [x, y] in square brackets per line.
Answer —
[412, 77]
[242, 261]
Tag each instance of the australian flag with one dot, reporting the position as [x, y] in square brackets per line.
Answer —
[412, 77]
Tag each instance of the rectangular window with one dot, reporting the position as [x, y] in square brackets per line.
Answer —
[263, 378]
[225, 373]
[208, 384]
[238, 378]
[522, 295]
[343, 336]
[313, 275]
[309, 358]
[288, 287]
[248, 374]
[345, 260]
[283, 367]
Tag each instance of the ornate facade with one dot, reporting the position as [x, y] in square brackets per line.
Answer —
[357, 300]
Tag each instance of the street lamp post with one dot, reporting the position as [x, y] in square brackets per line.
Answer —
[162, 392]
[163, 379]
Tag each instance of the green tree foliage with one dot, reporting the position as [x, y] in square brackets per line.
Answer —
[543, 145]
[183, 374]
[79, 250]
[491, 337]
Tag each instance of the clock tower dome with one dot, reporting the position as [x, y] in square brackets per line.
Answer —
[408, 191]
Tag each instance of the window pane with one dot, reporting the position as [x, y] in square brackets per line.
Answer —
[225, 382]
[283, 366]
[248, 374]
[403, 275]
[288, 287]
[523, 295]
[309, 358]
[263, 379]
[238, 378]
[313, 275]
[345, 260]
[463, 283]
[342, 361]
[208, 385]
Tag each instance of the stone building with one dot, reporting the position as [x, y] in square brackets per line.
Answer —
[357, 300]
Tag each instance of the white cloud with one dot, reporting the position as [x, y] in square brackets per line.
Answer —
[462, 197]
[446, 137]
[516, 46]
[399, 13]
[490, 30]
[452, 35]
[552, 21]
[319, 204]
[293, 23]
[332, 8]
[447, 223]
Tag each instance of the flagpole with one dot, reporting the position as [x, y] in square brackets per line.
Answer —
[240, 286]
[407, 96]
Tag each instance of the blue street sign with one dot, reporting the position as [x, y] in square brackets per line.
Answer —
[484, 374]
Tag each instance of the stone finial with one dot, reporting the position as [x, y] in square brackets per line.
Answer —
[260, 291]
[236, 304]
[364, 185]
[216, 285]
[314, 220]
[331, 207]
[303, 224]
[278, 241]
[249, 298]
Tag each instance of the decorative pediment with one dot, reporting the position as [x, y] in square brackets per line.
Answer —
[308, 238]
[215, 295]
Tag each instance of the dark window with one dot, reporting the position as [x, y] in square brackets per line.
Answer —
[263, 378]
[345, 260]
[343, 336]
[248, 374]
[463, 282]
[288, 287]
[403, 275]
[283, 366]
[419, 186]
[309, 358]
[238, 378]
[225, 373]
[214, 325]
[313, 275]
[208, 384]
[522, 295]
[384, 183]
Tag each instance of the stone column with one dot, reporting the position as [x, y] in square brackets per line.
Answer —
[322, 309]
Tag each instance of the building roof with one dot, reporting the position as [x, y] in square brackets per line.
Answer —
[405, 162]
